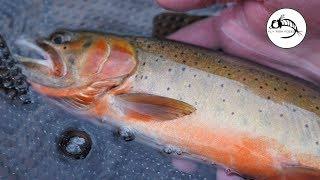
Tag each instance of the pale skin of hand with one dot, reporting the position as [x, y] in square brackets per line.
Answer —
[241, 31]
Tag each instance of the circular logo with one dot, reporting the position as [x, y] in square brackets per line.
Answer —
[286, 28]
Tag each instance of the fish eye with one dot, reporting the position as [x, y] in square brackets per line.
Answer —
[60, 38]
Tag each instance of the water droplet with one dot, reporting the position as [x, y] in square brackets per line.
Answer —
[75, 144]
[125, 133]
[172, 150]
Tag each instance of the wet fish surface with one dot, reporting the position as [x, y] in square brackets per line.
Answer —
[29, 132]
[213, 106]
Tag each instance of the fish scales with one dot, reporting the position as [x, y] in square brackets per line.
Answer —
[231, 95]
[244, 116]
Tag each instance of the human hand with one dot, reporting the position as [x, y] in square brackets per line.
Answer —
[241, 31]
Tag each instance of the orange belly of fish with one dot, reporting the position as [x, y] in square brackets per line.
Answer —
[256, 157]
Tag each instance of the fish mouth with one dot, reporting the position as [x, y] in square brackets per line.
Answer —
[50, 70]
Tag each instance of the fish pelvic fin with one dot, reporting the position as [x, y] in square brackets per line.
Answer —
[148, 107]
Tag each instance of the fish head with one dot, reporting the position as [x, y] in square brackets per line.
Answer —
[79, 65]
[90, 72]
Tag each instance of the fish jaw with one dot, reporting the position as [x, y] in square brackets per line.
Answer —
[48, 71]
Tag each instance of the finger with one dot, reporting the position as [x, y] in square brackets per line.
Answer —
[184, 165]
[237, 32]
[208, 32]
[202, 33]
[185, 5]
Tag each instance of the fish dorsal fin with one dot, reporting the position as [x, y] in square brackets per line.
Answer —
[147, 107]
[297, 173]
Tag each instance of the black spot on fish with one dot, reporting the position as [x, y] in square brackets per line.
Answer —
[268, 97]
[317, 107]
[225, 67]
[300, 96]
[168, 89]
[189, 85]
[141, 77]
[266, 84]
[195, 63]
[72, 60]
[148, 46]
[146, 77]
[244, 79]
[169, 69]
[183, 61]
[183, 69]
[285, 89]
[261, 87]
[256, 79]
[222, 85]
[303, 89]
[87, 44]
[275, 89]
[306, 125]
[238, 90]
[64, 47]
[175, 55]
[195, 75]
[144, 63]
[294, 110]
[260, 110]
[232, 113]
[223, 100]
[317, 143]
[281, 115]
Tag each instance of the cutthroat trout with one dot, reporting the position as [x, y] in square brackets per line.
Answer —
[255, 120]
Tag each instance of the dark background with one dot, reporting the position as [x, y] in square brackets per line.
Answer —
[29, 133]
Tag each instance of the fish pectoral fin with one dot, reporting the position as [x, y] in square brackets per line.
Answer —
[148, 107]
[297, 172]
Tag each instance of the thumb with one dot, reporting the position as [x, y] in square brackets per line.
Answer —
[202, 33]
